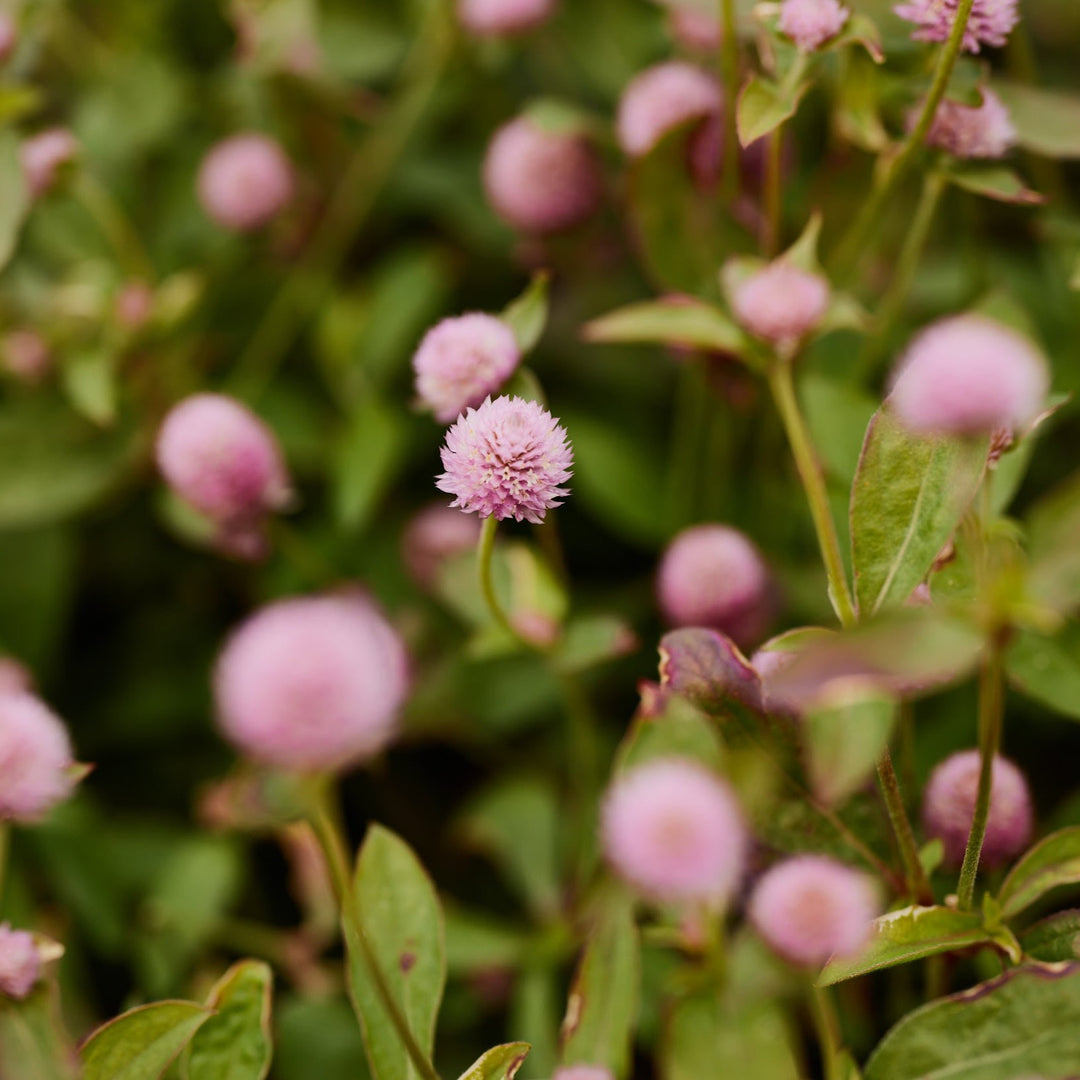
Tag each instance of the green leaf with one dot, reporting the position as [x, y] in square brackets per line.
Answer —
[668, 726]
[528, 314]
[681, 321]
[1052, 862]
[536, 1007]
[1054, 939]
[598, 1027]
[591, 640]
[33, 1043]
[763, 106]
[396, 913]
[1047, 122]
[997, 182]
[837, 414]
[857, 112]
[369, 455]
[89, 380]
[1025, 1023]
[910, 934]
[498, 1063]
[140, 1044]
[1053, 525]
[1047, 670]
[14, 196]
[235, 1043]
[909, 494]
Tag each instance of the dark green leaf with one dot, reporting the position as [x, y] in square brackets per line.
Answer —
[1052, 862]
[140, 1044]
[1054, 939]
[1047, 670]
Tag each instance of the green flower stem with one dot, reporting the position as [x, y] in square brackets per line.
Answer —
[991, 713]
[326, 822]
[729, 77]
[813, 481]
[914, 874]
[771, 235]
[828, 1031]
[484, 553]
[115, 226]
[853, 246]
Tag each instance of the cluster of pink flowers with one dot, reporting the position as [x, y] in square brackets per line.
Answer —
[990, 21]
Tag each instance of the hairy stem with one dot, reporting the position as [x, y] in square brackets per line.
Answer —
[914, 874]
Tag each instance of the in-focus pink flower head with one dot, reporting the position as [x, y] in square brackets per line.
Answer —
[508, 458]
[713, 575]
[660, 99]
[44, 155]
[435, 535]
[990, 22]
[582, 1072]
[20, 962]
[502, 18]
[699, 31]
[312, 684]
[810, 23]
[539, 180]
[949, 806]
[781, 303]
[244, 181]
[219, 457]
[811, 907]
[674, 831]
[969, 375]
[26, 356]
[463, 360]
[973, 131]
[36, 761]
[9, 35]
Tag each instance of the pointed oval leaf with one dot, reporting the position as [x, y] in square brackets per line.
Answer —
[1052, 862]
[666, 725]
[680, 320]
[33, 1042]
[1054, 939]
[1047, 122]
[997, 182]
[763, 106]
[498, 1063]
[140, 1044]
[1046, 670]
[528, 314]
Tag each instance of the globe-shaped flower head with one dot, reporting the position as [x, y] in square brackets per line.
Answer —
[508, 458]
[973, 131]
[781, 303]
[499, 18]
[810, 23]
[36, 762]
[990, 22]
[20, 962]
[245, 181]
[660, 99]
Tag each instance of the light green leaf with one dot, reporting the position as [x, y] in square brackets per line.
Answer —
[681, 321]
[528, 314]
[89, 380]
[764, 106]
[33, 1043]
[1047, 122]
[140, 1044]
[1046, 670]
[498, 1063]
[395, 924]
[235, 1043]
[997, 182]
[1052, 862]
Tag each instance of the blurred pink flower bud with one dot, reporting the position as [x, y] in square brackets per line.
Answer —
[949, 806]
[674, 831]
[713, 576]
[662, 98]
[968, 375]
[221, 458]
[781, 304]
[134, 304]
[973, 131]
[498, 18]
[44, 155]
[244, 181]
[990, 21]
[434, 536]
[26, 356]
[461, 361]
[20, 962]
[15, 678]
[507, 458]
[312, 684]
[810, 908]
[810, 23]
[541, 181]
[582, 1072]
[693, 29]
[9, 36]
[36, 762]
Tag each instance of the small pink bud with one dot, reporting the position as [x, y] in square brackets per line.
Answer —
[949, 806]
[582, 1072]
[674, 831]
[463, 360]
[662, 98]
[26, 357]
[968, 375]
[973, 131]
[810, 908]
[245, 181]
[221, 458]
[989, 23]
[15, 678]
[699, 31]
[312, 684]
[781, 304]
[134, 305]
[507, 458]
[541, 181]
[9, 36]
[435, 535]
[500, 18]
[810, 23]
[713, 576]
[44, 155]
[36, 760]
[20, 962]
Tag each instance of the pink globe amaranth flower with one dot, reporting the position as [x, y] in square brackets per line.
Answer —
[9, 36]
[15, 678]
[968, 375]
[674, 831]
[20, 962]
[660, 99]
[541, 181]
[26, 356]
[973, 131]
[582, 1072]
[435, 535]
[781, 304]
[990, 22]
[134, 305]
[810, 23]
[42, 156]
[505, 459]
[36, 761]
[245, 181]
[463, 360]
[217, 455]
[712, 575]
[499, 18]
[312, 684]
[700, 31]
[811, 907]
[949, 806]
